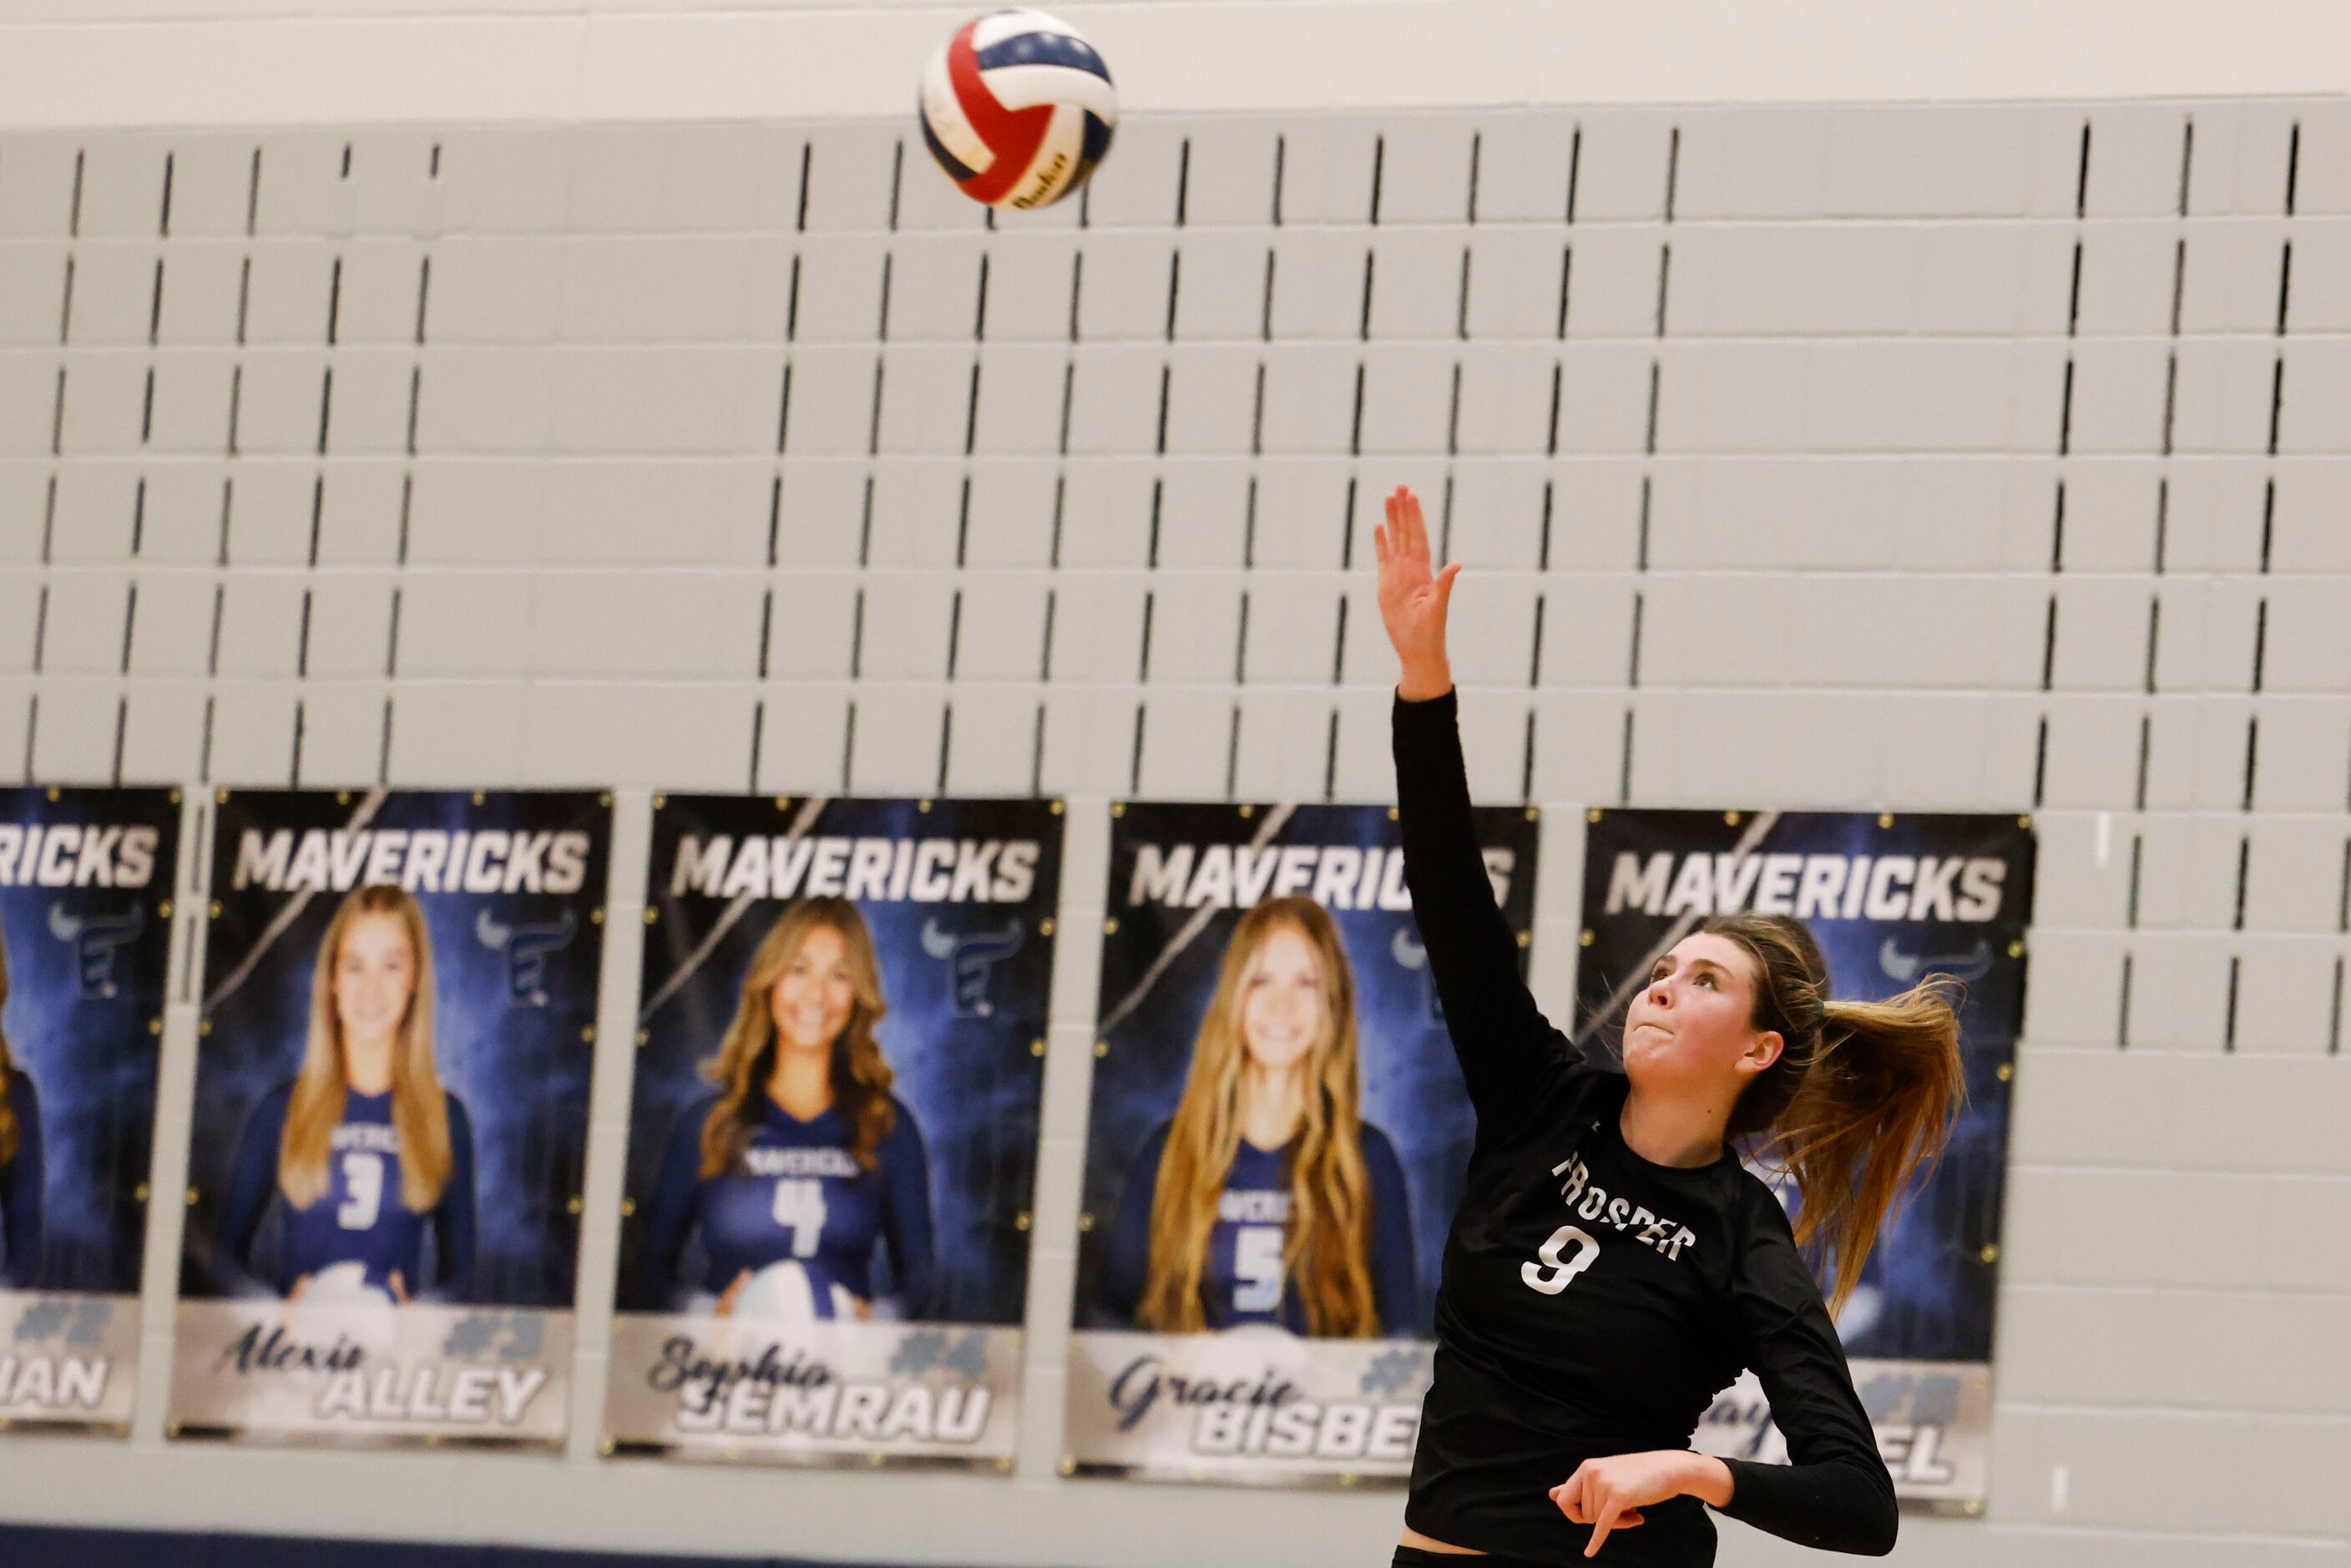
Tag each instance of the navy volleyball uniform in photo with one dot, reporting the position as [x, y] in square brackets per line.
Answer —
[1243, 1279]
[21, 1181]
[1593, 1302]
[361, 1218]
[798, 1195]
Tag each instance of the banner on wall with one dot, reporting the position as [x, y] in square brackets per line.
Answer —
[390, 1115]
[832, 1142]
[1264, 991]
[86, 880]
[1891, 899]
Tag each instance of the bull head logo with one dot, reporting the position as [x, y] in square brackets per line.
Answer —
[971, 959]
[95, 941]
[526, 947]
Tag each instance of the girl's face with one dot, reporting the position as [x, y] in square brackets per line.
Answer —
[814, 996]
[375, 976]
[1282, 1011]
[1692, 1029]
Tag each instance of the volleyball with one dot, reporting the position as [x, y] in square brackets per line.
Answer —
[344, 1285]
[1017, 108]
[785, 1292]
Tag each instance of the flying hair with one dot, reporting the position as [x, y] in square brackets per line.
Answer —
[1862, 1097]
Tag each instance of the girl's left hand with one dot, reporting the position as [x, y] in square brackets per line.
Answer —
[1609, 1494]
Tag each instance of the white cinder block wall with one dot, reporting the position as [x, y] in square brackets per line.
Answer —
[421, 398]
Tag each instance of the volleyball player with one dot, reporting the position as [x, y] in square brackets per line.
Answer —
[1266, 1198]
[803, 1158]
[363, 1148]
[21, 1171]
[1613, 1264]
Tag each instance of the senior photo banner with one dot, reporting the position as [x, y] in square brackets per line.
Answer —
[86, 880]
[1891, 899]
[832, 1144]
[390, 1115]
[1279, 1138]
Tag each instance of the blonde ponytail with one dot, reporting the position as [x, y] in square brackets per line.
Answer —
[1862, 1098]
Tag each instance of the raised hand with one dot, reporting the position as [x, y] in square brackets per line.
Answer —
[1414, 598]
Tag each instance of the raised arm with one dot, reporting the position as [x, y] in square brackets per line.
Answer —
[1508, 1051]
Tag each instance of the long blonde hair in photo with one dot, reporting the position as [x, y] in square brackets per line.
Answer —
[746, 1057]
[420, 1111]
[8, 1132]
[1327, 1250]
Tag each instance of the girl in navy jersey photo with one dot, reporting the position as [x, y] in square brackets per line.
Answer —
[22, 1174]
[1267, 1199]
[1613, 1264]
[803, 1163]
[362, 1156]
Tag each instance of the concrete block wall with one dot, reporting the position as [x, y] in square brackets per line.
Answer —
[1983, 456]
[110, 63]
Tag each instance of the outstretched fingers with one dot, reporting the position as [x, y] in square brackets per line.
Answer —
[1408, 537]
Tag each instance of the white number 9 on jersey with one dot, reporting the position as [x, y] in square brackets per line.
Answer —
[1550, 1275]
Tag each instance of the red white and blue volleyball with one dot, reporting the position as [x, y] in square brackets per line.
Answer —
[1018, 107]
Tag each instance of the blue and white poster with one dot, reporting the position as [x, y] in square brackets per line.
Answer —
[390, 1115]
[1891, 899]
[1278, 1140]
[833, 1135]
[86, 878]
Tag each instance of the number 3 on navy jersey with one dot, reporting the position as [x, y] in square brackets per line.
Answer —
[363, 1180]
[1550, 1275]
[800, 1208]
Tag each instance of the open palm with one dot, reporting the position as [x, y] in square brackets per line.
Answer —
[1413, 598]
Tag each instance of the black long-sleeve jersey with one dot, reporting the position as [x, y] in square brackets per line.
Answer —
[1593, 1302]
